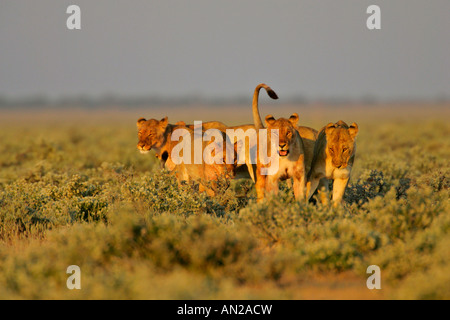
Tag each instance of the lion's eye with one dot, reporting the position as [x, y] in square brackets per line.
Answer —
[331, 150]
[344, 149]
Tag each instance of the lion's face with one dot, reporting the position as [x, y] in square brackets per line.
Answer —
[286, 132]
[151, 134]
[340, 143]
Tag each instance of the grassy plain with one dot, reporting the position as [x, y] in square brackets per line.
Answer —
[74, 190]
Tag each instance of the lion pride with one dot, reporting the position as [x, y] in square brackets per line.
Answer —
[154, 135]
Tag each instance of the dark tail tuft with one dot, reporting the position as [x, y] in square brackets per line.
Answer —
[272, 94]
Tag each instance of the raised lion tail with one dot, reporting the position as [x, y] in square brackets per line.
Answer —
[256, 117]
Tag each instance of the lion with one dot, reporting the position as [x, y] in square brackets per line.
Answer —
[308, 135]
[290, 158]
[181, 162]
[334, 154]
[153, 135]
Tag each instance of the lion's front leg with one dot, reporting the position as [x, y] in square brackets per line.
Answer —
[272, 185]
[300, 184]
[339, 186]
[300, 189]
[323, 190]
[260, 186]
[299, 177]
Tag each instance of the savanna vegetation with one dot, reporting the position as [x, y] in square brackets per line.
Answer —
[74, 190]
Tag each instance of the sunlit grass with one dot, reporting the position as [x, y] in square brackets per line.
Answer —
[77, 192]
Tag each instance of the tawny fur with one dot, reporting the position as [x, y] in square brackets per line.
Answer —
[334, 154]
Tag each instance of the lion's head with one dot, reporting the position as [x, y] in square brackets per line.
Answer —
[340, 142]
[151, 133]
[287, 134]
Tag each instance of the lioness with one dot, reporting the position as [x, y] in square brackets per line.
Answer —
[289, 154]
[154, 134]
[334, 153]
[182, 164]
[308, 135]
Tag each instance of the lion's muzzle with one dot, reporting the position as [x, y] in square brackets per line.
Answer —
[143, 148]
[283, 150]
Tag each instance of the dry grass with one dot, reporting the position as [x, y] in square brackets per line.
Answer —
[74, 190]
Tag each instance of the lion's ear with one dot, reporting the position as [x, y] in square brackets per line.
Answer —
[353, 130]
[181, 124]
[164, 122]
[140, 121]
[329, 127]
[269, 119]
[294, 119]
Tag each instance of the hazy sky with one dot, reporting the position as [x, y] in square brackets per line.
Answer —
[316, 49]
